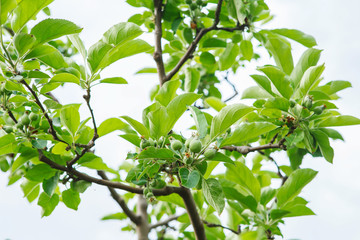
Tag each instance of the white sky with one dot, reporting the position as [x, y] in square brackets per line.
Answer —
[333, 194]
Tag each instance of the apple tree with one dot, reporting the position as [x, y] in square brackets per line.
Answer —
[180, 183]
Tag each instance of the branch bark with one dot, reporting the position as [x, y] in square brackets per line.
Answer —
[190, 205]
[143, 228]
[83, 176]
[132, 216]
[238, 231]
[165, 222]
[158, 35]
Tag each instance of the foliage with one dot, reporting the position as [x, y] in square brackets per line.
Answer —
[47, 145]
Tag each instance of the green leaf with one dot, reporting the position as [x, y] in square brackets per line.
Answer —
[214, 194]
[110, 125]
[71, 199]
[50, 29]
[247, 131]
[333, 87]
[132, 138]
[298, 210]
[227, 117]
[337, 121]
[189, 179]
[207, 59]
[14, 86]
[158, 122]
[40, 172]
[47, 203]
[242, 175]
[219, 157]
[156, 153]
[192, 79]
[70, 118]
[122, 32]
[277, 77]
[78, 44]
[267, 194]
[310, 77]
[308, 59]
[6, 7]
[92, 161]
[49, 185]
[324, 144]
[228, 57]
[200, 121]
[103, 54]
[30, 189]
[80, 186]
[278, 213]
[167, 92]
[296, 35]
[245, 201]
[263, 82]
[246, 48]
[7, 144]
[237, 9]
[294, 184]
[49, 55]
[139, 127]
[281, 52]
[25, 11]
[115, 216]
[23, 42]
[114, 80]
[176, 108]
[255, 92]
[215, 103]
[65, 77]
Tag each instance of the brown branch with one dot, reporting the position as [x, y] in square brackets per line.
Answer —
[133, 217]
[226, 78]
[190, 205]
[87, 99]
[246, 149]
[83, 176]
[165, 222]
[238, 231]
[191, 49]
[37, 100]
[158, 35]
[11, 115]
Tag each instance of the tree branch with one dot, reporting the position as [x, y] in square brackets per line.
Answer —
[246, 149]
[191, 49]
[238, 231]
[226, 78]
[133, 217]
[158, 35]
[165, 222]
[83, 176]
[190, 205]
[37, 100]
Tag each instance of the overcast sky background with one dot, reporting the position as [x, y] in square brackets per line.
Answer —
[334, 194]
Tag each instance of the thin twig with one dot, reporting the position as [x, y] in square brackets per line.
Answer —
[83, 176]
[191, 49]
[133, 217]
[238, 231]
[38, 102]
[226, 78]
[165, 222]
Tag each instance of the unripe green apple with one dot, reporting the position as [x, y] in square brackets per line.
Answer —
[193, 6]
[195, 146]
[25, 120]
[33, 116]
[176, 145]
[292, 103]
[144, 143]
[209, 153]
[188, 2]
[307, 102]
[319, 109]
[8, 129]
[188, 141]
